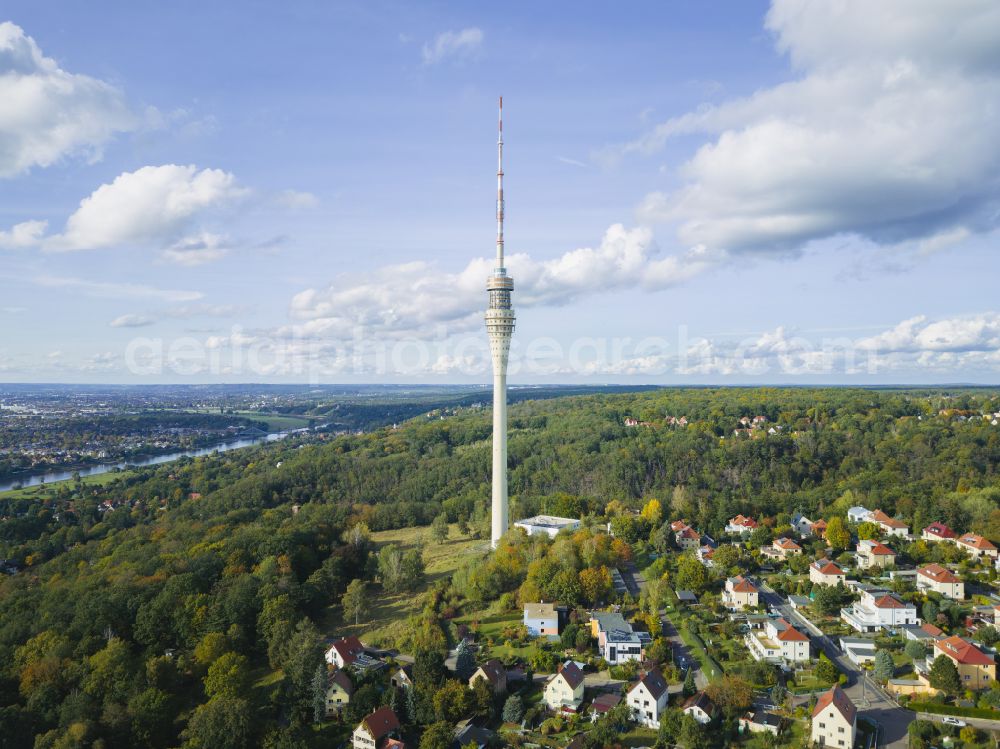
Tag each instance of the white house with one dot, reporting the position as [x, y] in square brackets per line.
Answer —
[648, 698]
[891, 526]
[825, 572]
[786, 547]
[874, 554]
[687, 538]
[938, 532]
[834, 720]
[802, 524]
[547, 524]
[564, 690]
[778, 642]
[858, 514]
[740, 593]
[941, 580]
[700, 707]
[344, 652]
[374, 731]
[741, 525]
[620, 646]
[879, 609]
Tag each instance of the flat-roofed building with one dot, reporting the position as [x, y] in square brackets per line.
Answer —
[550, 525]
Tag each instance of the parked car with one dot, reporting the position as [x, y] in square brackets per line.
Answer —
[954, 722]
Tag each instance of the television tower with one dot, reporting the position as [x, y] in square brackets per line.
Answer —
[500, 326]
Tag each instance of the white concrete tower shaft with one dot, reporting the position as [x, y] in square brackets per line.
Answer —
[500, 326]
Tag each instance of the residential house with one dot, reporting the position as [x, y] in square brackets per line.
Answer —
[740, 593]
[976, 669]
[677, 525]
[918, 687]
[938, 532]
[564, 689]
[741, 525]
[798, 602]
[541, 619]
[602, 622]
[879, 609]
[344, 652]
[376, 730]
[468, 734]
[402, 678]
[941, 580]
[687, 538]
[648, 698]
[778, 642]
[802, 525]
[858, 514]
[700, 707]
[819, 528]
[550, 525]
[705, 554]
[338, 692]
[977, 546]
[495, 674]
[786, 547]
[825, 572]
[926, 633]
[620, 646]
[834, 720]
[891, 526]
[760, 721]
[874, 554]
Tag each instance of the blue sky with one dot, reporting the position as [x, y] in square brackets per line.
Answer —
[735, 193]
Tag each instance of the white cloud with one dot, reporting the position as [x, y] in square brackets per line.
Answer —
[195, 250]
[889, 133]
[110, 290]
[297, 199]
[25, 234]
[453, 44]
[414, 298]
[131, 321]
[153, 205]
[49, 113]
[187, 311]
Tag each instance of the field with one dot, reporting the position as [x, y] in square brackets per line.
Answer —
[388, 613]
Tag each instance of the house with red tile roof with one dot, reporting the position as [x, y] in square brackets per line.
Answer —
[376, 730]
[879, 609]
[834, 720]
[874, 554]
[786, 547]
[938, 532]
[825, 572]
[976, 669]
[977, 546]
[740, 593]
[891, 526]
[941, 580]
[344, 652]
[741, 525]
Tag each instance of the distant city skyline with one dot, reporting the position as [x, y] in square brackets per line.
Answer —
[785, 192]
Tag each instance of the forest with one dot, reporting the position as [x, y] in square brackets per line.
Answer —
[186, 602]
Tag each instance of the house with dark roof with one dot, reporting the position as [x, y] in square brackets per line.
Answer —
[338, 692]
[761, 721]
[344, 652]
[700, 707]
[495, 675]
[647, 698]
[564, 689]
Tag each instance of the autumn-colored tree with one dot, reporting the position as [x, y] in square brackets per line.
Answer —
[731, 694]
[652, 512]
[596, 584]
[868, 531]
[837, 534]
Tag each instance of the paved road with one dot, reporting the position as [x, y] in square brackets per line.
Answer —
[681, 652]
[981, 723]
[872, 702]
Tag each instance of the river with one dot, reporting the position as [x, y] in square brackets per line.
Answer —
[63, 475]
